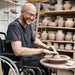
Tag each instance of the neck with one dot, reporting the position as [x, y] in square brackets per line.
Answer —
[21, 21]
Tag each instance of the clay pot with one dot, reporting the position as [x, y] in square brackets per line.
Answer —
[74, 37]
[56, 56]
[62, 46]
[69, 22]
[67, 5]
[56, 45]
[68, 36]
[49, 43]
[51, 35]
[59, 5]
[73, 7]
[38, 34]
[44, 35]
[13, 11]
[74, 47]
[68, 47]
[60, 22]
[60, 35]
[53, 24]
[45, 21]
[6, 12]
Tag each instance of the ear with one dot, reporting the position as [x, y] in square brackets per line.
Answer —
[21, 12]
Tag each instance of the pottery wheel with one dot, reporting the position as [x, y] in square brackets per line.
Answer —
[60, 59]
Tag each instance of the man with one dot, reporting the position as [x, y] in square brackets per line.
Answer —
[20, 36]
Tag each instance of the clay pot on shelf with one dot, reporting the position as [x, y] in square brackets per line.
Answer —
[74, 37]
[60, 35]
[68, 36]
[67, 5]
[53, 24]
[73, 7]
[13, 11]
[37, 34]
[74, 47]
[60, 22]
[62, 46]
[59, 5]
[68, 47]
[49, 43]
[56, 45]
[44, 35]
[51, 35]
[69, 22]
[45, 21]
[6, 12]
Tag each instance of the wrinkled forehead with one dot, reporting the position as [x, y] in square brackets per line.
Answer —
[31, 9]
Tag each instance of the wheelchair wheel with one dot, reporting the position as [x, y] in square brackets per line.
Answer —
[13, 70]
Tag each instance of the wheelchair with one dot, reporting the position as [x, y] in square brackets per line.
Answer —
[15, 66]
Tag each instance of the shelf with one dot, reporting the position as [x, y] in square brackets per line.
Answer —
[58, 12]
[3, 20]
[56, 27]
[71, 51]
[44, 1]
[58, 41]
[12, 2]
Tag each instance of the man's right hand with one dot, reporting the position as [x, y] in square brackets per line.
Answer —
[49, 52]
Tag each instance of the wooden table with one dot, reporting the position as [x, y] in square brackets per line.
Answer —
[58, 67]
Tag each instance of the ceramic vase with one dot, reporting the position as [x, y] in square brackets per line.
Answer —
[73, 7]
[74, 37]
[56, 45]
[68, 47]
[49, 43]
[60, 35]
[68, 36]
[59, 5]
[44, 35]
[60, 22]
[62, 46]
[69, 22]
[67, 5]
[45, 21]
[51, 35]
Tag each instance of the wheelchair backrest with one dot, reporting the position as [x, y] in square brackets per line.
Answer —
[2, 43]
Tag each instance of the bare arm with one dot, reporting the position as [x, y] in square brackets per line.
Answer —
[40, 43]
[24, 51]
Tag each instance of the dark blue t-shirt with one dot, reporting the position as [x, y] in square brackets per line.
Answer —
[16, 32]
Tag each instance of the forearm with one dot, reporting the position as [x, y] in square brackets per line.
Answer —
[24, 51]
[40, 43]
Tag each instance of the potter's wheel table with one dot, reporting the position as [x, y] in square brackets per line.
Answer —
[63, 66]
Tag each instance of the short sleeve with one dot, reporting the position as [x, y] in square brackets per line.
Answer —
[32, 35]
[13, 33]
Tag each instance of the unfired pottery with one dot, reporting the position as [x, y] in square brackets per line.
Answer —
[44, 35]
[62, 46]
[73, 7]
[59, 5]
[45, 21]
[68, 36]
[68, 47]
[60, 35]
[69, 22]
[51, 35]
[67, 5]
[60, 22]
[74, 37]
[49, 43]
[56, 45]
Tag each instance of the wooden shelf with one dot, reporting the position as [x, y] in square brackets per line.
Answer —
[58, 12]
[12, 2]
[3, 20]
[71, 51]
[56, 27]
[58, 41]
[44, 1]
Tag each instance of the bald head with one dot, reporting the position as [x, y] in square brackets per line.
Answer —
[28, 6]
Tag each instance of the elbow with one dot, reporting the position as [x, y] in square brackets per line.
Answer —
[17, 53]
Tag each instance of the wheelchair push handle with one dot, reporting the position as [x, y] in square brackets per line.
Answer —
[3, 34]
